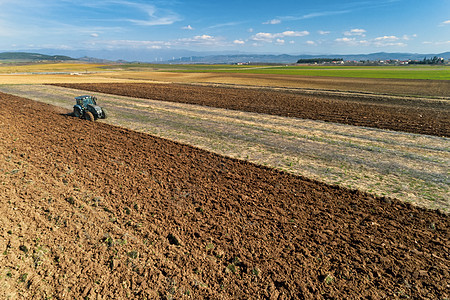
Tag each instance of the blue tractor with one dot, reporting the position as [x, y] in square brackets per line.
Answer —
[87, 108]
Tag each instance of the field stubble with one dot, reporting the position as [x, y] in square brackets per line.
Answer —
[410, 167]
[416, 115]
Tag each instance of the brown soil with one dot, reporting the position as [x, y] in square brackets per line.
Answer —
[91, 209]
[400, 114]
[391, 86]
[418, 87]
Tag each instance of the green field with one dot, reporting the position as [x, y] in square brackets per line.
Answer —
[178, 67]
[399, 72]
[426, 72]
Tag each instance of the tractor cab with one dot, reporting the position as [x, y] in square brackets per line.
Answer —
[84, 101]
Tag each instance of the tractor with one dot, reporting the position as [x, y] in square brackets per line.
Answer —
[87, 108]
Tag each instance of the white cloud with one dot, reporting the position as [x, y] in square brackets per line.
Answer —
[135, 12]
[391, 41]
[355, 32]
[189, 27]
[269, 37]
[352, 41]
[155, 16]
[229, 24]
[436, 43]
[115, 44]
[345, 40]
[263, 36]
[379, 42]
[389, 44]
[280, 41]
[201, 40]
[250, 30]
[392, 38]
[408, 37]
[348, 8]
[294, 33]
[445, 23]
[314, 15]
[94, 35]
[311, 43]
[273, 22]
[387, 38]
[204, 37]
[322, 32]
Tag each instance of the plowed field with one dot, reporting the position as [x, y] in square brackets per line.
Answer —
[424, 116]
[97, 211]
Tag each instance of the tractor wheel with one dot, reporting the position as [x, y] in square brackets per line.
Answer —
[89, 116]
[104, 113]
[77, 113]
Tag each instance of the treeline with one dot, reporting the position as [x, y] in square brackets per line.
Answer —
[317, 60]
[428, 61]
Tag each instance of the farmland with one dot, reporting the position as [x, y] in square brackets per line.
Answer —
[372, 160]
[7, 68]
[416, 115]
[99, 210]
[413, 72]
[397, 72]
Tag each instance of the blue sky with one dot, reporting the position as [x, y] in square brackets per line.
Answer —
[282, 26]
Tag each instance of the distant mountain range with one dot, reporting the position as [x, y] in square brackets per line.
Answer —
[286, 59]
[186, 56]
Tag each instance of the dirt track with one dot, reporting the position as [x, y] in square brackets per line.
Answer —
[430, 117]
[93, 209]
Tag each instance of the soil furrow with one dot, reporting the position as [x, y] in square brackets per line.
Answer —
[92, 209]
[432, 118]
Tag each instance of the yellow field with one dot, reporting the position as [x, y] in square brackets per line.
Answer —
[55, 67]
[51, 73]
[57, 78]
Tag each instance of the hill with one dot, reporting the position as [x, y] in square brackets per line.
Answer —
[31, 56]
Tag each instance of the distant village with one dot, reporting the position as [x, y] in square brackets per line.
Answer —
[337, 61]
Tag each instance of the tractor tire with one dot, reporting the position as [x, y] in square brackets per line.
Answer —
[105, 114]
[77, 113]
[89, 116]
